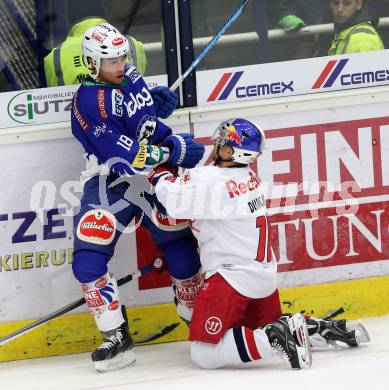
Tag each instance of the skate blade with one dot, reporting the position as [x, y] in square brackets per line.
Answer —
[121, 360]
[298, 327]
[361, 334]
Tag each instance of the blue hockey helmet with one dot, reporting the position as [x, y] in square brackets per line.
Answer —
[246, 138]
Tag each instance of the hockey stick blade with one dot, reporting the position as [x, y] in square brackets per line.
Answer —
[66, 309]
[166, 330]
[210, 44]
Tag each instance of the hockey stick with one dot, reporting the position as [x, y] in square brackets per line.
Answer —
[210, 44]
[156, 264]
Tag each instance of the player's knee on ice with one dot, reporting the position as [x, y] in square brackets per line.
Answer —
[205, 355]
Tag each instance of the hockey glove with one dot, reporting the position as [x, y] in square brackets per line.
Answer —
[165, 101]
[184, 151]
[291, 23]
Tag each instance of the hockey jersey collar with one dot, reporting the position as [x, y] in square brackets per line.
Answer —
[89, 82]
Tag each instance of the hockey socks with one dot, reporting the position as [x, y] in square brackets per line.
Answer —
[186, 291]
[102, 298]
[237, 347]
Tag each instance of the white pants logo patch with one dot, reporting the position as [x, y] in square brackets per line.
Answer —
[213, 325]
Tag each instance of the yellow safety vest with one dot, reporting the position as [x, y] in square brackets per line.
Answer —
[64, 65]
[356, 39]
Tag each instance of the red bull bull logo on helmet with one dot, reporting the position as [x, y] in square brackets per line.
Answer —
[232, 135]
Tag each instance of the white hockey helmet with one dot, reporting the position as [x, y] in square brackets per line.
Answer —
[103, 41]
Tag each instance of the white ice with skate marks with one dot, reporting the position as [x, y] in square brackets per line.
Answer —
[168, 366]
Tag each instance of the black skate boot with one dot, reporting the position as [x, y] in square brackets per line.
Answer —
[351, 333]
[116, 350]
[281, 337]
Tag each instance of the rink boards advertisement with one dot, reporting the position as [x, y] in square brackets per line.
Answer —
[236, 84]
[298, 77]
[327, 186]
[45, 105]
[326, 174]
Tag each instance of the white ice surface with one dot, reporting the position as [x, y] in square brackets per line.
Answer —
[168, 366]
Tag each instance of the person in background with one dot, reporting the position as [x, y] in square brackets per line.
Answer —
[287, 15]
[65, 65]
[355, 28]
[291, 16]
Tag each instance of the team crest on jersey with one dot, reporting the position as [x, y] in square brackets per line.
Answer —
[117, 102]
[97, 227]
[146, 129]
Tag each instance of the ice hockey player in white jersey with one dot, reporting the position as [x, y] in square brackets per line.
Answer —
[237, 316]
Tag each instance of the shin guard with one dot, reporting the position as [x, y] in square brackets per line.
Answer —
[102, 298]
[186, 291]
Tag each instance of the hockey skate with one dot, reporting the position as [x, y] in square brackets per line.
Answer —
[116, 350]
[351, 333]
[288, 336]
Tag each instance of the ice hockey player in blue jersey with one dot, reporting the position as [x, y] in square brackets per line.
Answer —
[114, 118]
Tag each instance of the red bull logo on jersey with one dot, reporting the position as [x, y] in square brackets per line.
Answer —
[232, 135]
[237, 189]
